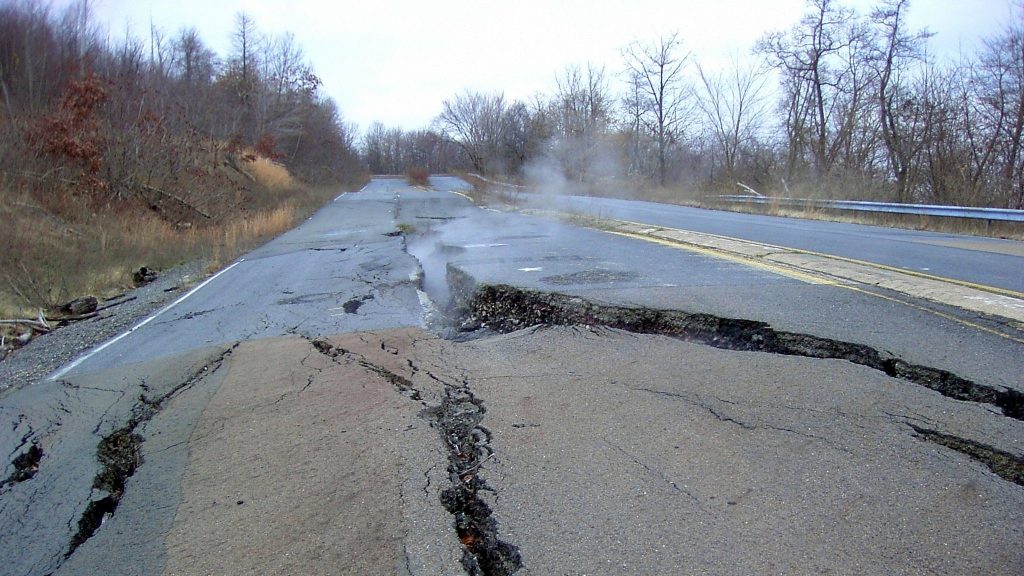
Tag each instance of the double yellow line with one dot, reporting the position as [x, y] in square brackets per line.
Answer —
[732, 257]
[823, 279]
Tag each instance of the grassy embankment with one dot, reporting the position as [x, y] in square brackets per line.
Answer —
[58, 247]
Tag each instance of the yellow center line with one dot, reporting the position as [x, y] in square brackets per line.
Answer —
[968, 323]
[805, 277]
[964, 283]
[776, 269]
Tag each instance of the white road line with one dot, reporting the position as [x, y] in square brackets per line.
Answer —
[537, 269]
[103, 346]
[339, 196]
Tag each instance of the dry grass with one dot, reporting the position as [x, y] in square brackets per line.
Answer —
[49, 260]
[271, 175]
[699, 199]
[965, 226]
[484, 192]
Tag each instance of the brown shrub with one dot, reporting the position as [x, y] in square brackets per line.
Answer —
[418, 176]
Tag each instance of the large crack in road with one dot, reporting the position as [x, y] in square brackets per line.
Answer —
[504, 308]
[480, 309]
[457, 411]
[120, 455]
[458, 418]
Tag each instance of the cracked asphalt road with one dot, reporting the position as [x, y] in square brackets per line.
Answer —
[313, 410]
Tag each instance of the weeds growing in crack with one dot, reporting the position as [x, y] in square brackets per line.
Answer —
[505, 308]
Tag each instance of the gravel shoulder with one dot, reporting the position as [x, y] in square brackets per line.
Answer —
[48, 352]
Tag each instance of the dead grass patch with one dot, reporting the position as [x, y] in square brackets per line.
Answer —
[49, 259]
[698, 199]
[271, 175]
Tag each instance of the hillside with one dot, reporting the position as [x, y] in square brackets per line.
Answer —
[115, 157]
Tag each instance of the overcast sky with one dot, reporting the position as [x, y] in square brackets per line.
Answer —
[396, 60]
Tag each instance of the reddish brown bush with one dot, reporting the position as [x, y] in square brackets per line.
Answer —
[71, 132]
[418, 176]
[266, 147]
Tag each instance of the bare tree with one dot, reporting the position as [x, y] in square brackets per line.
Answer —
[476, 121]
[657, 70]
[517, 144]
[999, 81]
[245, 42]
[897, 117]
[287, 89]
[819, 60]
[581, 114]
[734, 108]
[631, 116]
[192, 61]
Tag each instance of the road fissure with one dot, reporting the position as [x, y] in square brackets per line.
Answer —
[458, 419]
[504, 308]
[120, 456]
[1003, 464]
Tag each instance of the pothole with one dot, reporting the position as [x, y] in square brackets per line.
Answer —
[595, 276]
[119, 455]
[25, 465]
[353, 305]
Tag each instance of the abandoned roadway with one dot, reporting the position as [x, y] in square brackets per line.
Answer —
[410, 384]
[990, 261]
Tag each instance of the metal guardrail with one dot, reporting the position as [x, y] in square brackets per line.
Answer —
[1001, 214]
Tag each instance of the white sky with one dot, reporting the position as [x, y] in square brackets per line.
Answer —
[396, 60]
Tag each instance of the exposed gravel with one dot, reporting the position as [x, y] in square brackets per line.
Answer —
[48, 352]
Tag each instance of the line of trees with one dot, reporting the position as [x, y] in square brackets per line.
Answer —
[113, 121]
[861, 111]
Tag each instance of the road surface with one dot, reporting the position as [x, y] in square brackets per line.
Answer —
[411, 384]
[990, 261]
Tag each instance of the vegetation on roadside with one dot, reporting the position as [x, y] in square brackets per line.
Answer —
[116, 156]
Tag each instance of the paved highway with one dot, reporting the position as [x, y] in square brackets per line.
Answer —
[989, 261]
[411, 384]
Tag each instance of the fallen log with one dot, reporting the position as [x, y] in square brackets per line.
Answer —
[178, 199]
[33, 324]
